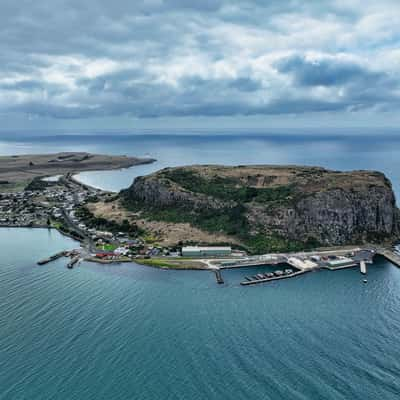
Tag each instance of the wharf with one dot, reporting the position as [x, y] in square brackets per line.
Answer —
[52, 258]
[352, 265]
[390, 256]
[275, 278]
[218, 276]
[73, 262]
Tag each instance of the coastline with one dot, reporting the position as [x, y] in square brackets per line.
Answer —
[20, 169]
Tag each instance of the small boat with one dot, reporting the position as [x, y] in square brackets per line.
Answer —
[365, 281]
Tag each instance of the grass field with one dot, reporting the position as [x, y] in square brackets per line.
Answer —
[171, 264]
[107, 247]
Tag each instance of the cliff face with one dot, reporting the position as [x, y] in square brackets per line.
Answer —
[297, 203]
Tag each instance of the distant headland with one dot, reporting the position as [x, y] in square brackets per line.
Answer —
[19, 170]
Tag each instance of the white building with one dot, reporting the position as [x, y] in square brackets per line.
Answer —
[197, 251]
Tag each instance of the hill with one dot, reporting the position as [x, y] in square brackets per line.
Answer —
[270, 208]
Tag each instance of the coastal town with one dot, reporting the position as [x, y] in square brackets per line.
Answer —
[57, 203]
[62, 202]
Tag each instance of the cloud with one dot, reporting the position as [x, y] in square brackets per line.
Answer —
[161, 58]
[319, 72]
[324, 72]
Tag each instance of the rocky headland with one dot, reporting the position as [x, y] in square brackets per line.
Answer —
[269, 208]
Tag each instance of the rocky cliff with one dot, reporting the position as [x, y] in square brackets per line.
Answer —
[293, 204]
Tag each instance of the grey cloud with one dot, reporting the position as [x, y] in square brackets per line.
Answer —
[246, 84]
[325, 72]
[183, 58]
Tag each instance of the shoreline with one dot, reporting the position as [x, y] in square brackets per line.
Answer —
[21, 169]
[174, 264]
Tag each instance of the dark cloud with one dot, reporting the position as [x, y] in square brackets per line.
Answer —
[245, 84]
[325, 72]
[150, 58]
[360, 87]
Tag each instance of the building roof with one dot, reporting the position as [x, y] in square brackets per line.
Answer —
[206, 248]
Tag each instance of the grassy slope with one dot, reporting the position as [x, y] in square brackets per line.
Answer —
[230, 220]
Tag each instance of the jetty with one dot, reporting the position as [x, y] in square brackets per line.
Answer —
[218, 276]
[390, 256]
[73, 262]
[52, 258]
[265, 278]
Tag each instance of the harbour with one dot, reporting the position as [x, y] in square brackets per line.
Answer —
[295, 264]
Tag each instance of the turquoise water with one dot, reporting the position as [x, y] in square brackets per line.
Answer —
[133, 332]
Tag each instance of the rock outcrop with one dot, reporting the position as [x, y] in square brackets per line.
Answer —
[297, 203]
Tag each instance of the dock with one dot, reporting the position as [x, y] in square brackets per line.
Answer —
[52, 258]
[253, 281]
[218, 276]
[390, 256]
[73, 262]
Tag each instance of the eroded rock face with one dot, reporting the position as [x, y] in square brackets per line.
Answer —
[160, 193]
[331, 207]
[334, 217]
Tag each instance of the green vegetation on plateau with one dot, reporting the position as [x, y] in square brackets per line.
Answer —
[226, 188]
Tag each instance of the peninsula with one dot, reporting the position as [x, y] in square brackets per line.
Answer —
[19, 170]
[261, 212]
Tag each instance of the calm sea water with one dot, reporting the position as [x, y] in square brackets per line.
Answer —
[133, 332]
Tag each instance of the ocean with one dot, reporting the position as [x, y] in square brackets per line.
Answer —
[133, 332]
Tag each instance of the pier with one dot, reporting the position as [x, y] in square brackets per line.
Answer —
[218, 276]
[390, 256]
[74, 254]
[363, 267]
[52, 258]
[253, 281]
[73, 262]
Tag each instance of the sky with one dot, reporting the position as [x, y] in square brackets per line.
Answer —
[123, 64]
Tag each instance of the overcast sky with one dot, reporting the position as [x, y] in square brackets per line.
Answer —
[115, 63]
